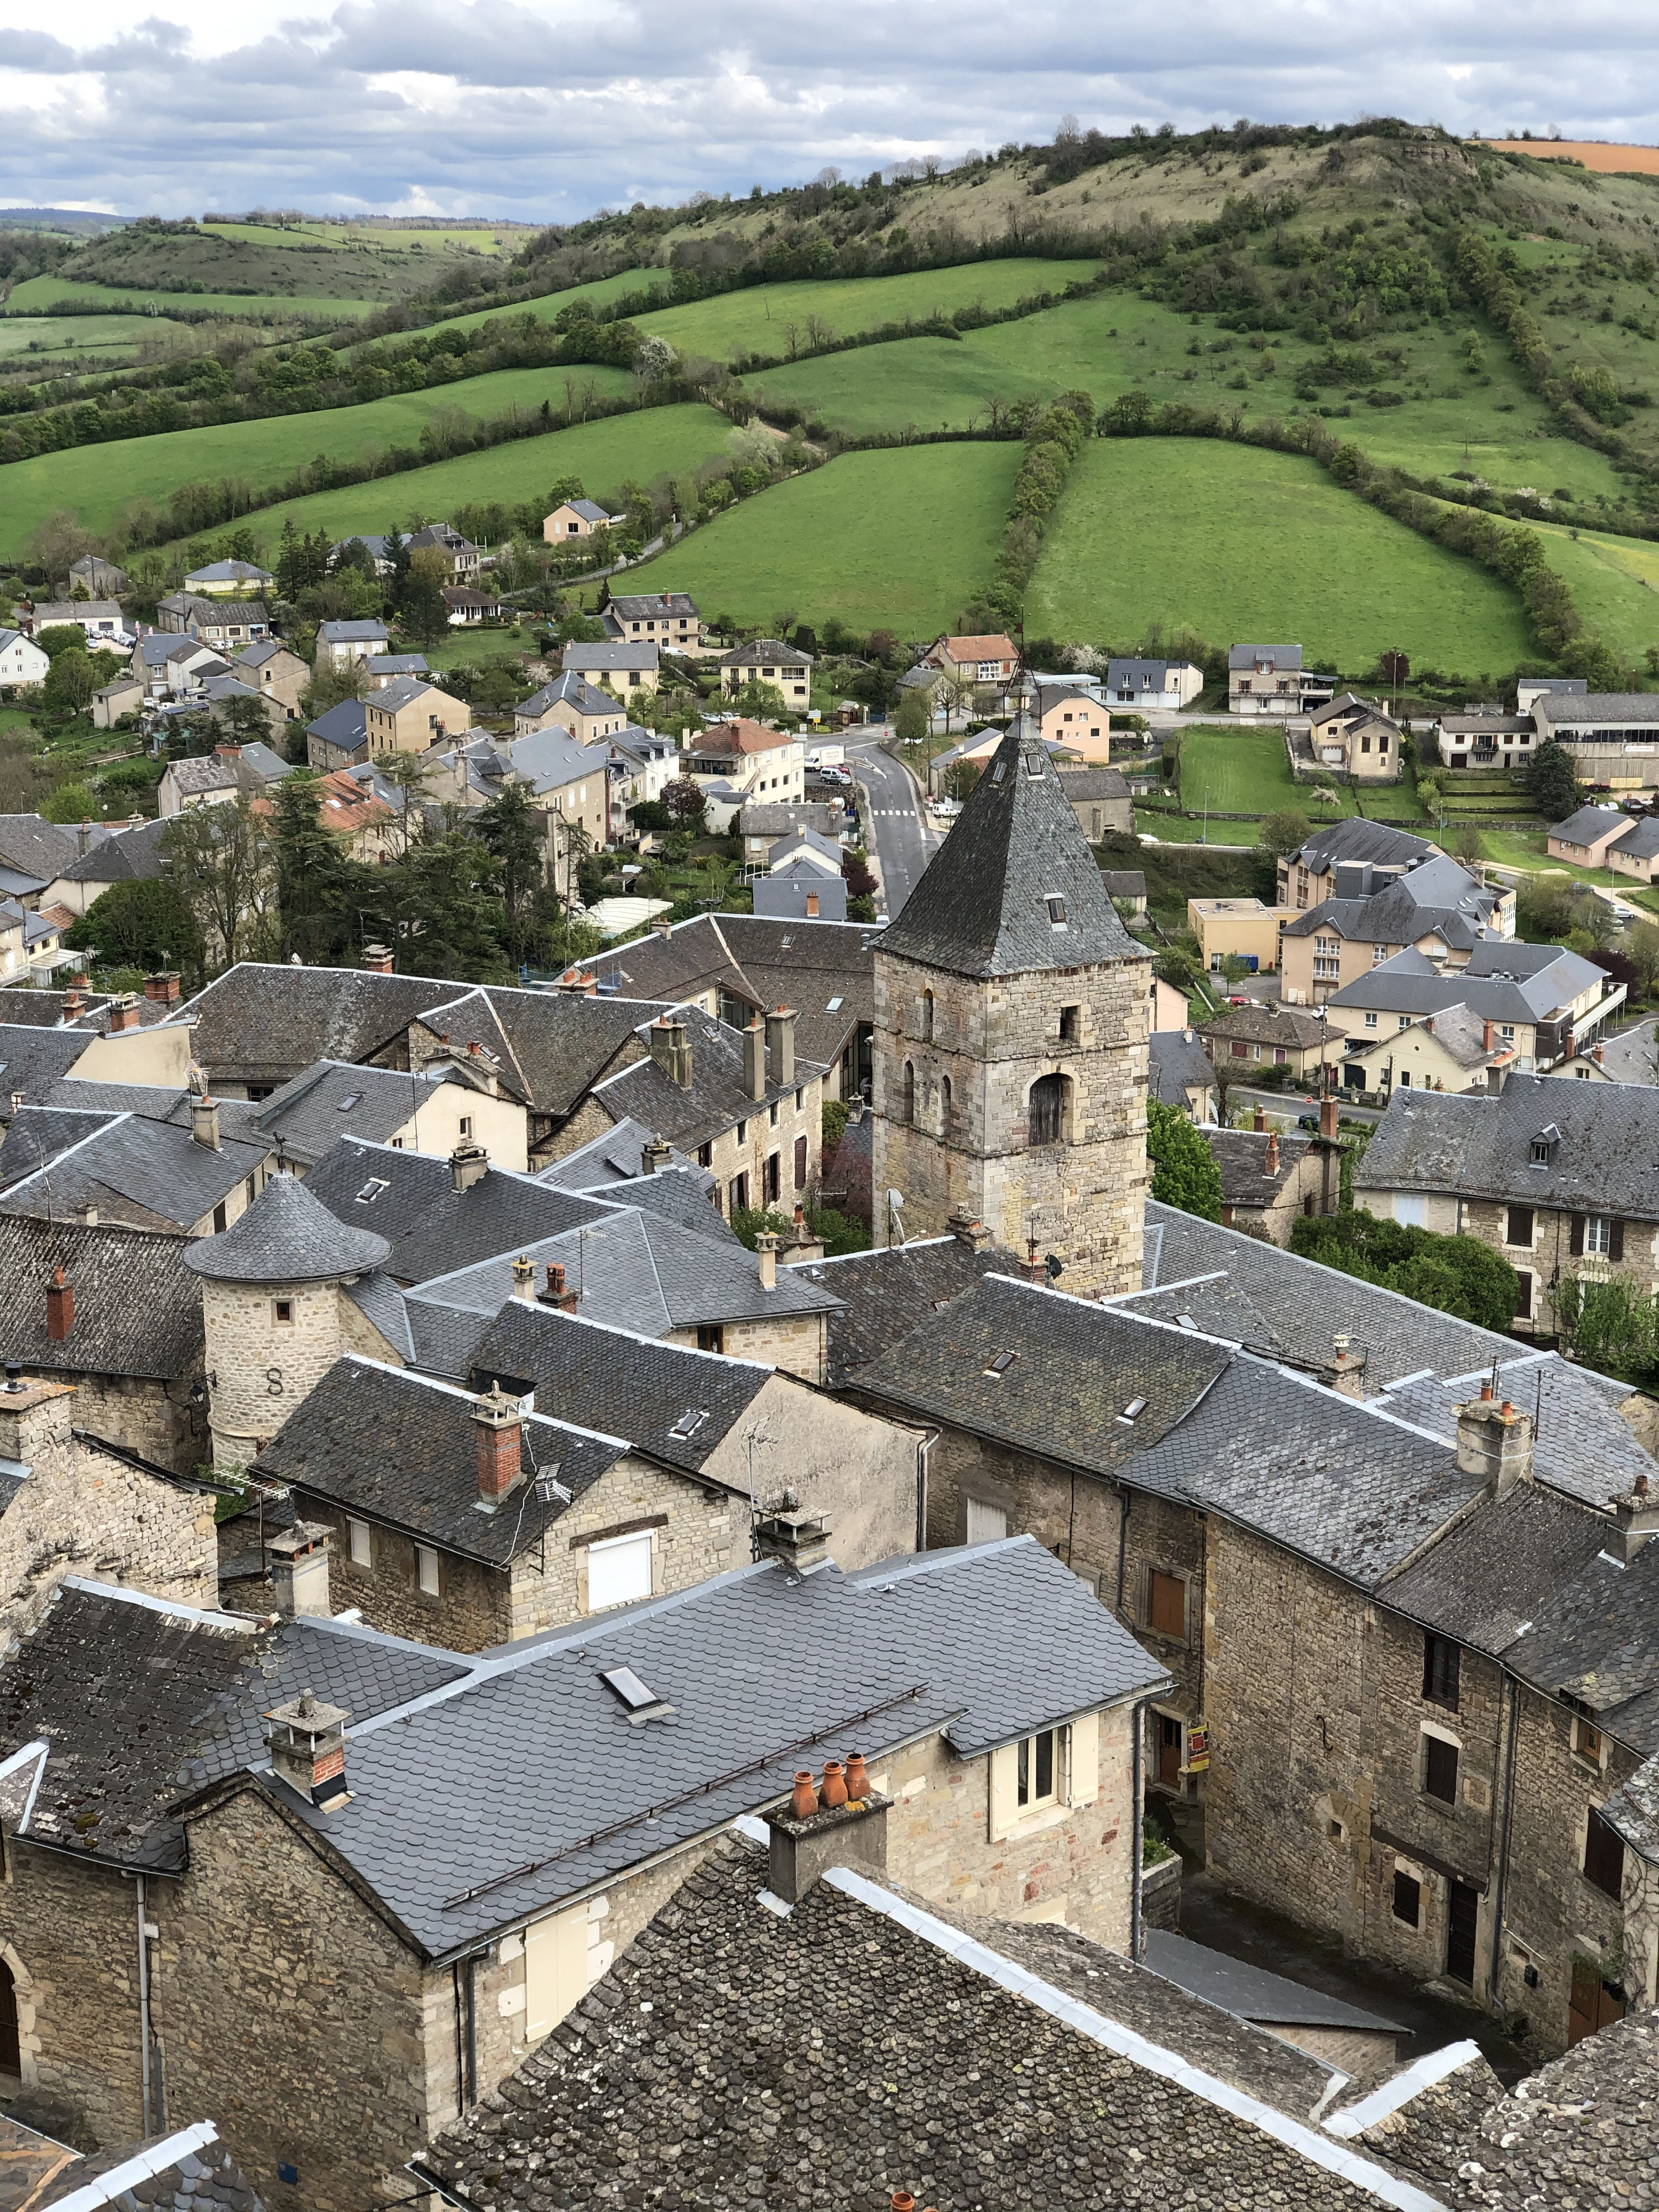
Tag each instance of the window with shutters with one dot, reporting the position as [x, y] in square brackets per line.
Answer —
[1166, 1604]
[1517, 1229]
[361, 1541]
[1598, 1236]
[1588, 1743]
[427, 1570]
[1407, 1899]
[1440, 1658]
[986, 1524]
[1036, 1770]
[1604, 1856]
[1440, 1768]
[555, 1969]
[800, 1164]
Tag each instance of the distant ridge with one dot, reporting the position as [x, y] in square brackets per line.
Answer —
[83, 220]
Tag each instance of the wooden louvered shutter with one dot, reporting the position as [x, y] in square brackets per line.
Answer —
[1615, 1240]
[1577, 1236]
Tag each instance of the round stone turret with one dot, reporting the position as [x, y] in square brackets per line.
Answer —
[274, 1309]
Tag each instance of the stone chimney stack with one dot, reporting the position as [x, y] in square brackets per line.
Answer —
[376, 960]
[524, 1279]
[800, 1541]
[1494, 1442]
[655, 1156]
[766, 1251]
[83, 839]
[307, 1748]
[1347, 1367]
[1270, 1156]
[468, 1164]
[966, 1230]
[754, 1060]
[299, 1571]
[499, 1427]
[851, 1832]
[780, 1048]
[123, 1012]
[204, 1121]
[60, 1307]
[1636, 1516]
[671, 1048]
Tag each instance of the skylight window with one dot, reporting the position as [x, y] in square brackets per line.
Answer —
[372, 1189]
[1001, 1362]
[624, 1684]
[1133, 1412]
[1056, 913]
[687, 1424]
[1033, 766]
[834, 1007]
[349, 1102]
[997, 771]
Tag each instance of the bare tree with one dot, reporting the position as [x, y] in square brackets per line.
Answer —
[220, 860]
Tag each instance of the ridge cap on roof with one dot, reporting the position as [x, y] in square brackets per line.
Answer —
[459, 1390]
[637, 1336]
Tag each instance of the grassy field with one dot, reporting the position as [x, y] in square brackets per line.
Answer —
[46, 291]
[96, 485]
[341, 237]
[760, 321]
[1241, 544]
[898, 540]
[602, 290]
[1614, 582]
[646, 445]
[24, 337]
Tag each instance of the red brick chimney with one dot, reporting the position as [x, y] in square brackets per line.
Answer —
[500, 1426]
[228, 751]
[124, 1013]
[1259, 1123]
[376, 960]
[60, 1307]
[1486, 1036]
[555, 1294]
[162, 989]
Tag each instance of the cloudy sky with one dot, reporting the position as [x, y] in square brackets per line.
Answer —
[547, 109]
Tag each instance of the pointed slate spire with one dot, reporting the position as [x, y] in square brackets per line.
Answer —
[1014, 887]
[286, 1236]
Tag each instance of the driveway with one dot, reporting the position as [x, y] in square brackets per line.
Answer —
[903, 839]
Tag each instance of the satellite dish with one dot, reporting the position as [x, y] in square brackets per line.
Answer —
[1053, 1268]
[896, 1199]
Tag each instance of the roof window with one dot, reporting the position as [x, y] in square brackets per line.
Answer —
[997, 770]
[687, 1424]
[1056, 912]
[346, 1104]
[1133, 1412]
[625, 1685]
[834, 1007]
[1001, 1362]
[1034, 766]
[372, 1189]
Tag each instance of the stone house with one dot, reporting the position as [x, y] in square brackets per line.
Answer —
[1545, 1004]
[461, 557]
[98, 578]
[158, 1160]
[1270, 679]
[1354, 739]
[275, 671]
[764, 660]
[123, 1327]
[1270, 1181]
[340, 738]
[1010, 1040]
[222, 623]
[447, 1103]
[468, 608]
[1100, 799]
[623, 670]
[217, 778]
[410, 715]
[1554, 1175]
[989, 662]
[340, 642]
[1248, 1037]
[992, 1695]
[567, 782]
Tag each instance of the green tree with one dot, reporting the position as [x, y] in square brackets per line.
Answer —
[69, 683]
[1284, 831]
[1467, 843]
[70, 802]
[61, 637]
[142, 925]
[515, 832]
[961, 777]
[314, 873]
[1456, 1275]
[913, 718]
[1551, 783]
[221, 860]
[245, 720]
[1184, 1172]
[1640, 949]
[684, 800]
[422, 608]
[760, 701]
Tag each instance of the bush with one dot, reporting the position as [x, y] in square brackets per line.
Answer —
[835, 1118]
[1184, 1172]
[1455, 1274]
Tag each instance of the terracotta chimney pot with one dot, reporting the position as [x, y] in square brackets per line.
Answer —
[804, 1798]
[833, 1792]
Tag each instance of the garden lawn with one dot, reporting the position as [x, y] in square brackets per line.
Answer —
[46, 291]
[1245, 544]
[761, 318]
[96, 481]
[657, 441]
[898, 540]
[1242, 771]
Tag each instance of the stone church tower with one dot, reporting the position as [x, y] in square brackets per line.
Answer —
[1010, 1036]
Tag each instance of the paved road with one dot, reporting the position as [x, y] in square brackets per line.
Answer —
[903, 838]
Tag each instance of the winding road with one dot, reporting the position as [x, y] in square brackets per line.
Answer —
[903, 839]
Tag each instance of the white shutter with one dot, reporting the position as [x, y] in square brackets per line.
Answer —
[618, 1570]
[1083, 1777]
[987, 1524]
[554, 1969]
[1005, 1776]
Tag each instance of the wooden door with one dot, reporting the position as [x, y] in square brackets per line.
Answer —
[1169, 1751]
[1462, 1916]
[11, 2059]
[1592, 2004]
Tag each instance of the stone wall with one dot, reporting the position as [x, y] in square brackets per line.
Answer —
[264, 1365]
[83, 1511]
[1549, 1254]
[148, 1417]
[288, 2010]
[855, 1468]
[797, 1342]
[69, 1935]
[967, 1145]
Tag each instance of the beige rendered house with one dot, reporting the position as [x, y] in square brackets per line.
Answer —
[576, 705]
[623, 669]
[1353, 738]
[407, 715]
[576, 518]
[1223, 927]
[764, 660]
[1076, 720]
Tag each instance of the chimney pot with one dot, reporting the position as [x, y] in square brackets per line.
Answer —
[307, 1748]
[766, 1251]
[524, 1279]
[60, 1307]
[468, 1164]
[299, 1571]
[499, 1428]
[1486, 1392]
[205, 1121]
[555, 1294]
[803, 1845]
[804, 1801]
[833, 1793]
[1260, 1122]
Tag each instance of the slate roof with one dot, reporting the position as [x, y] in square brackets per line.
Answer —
[1593, 709]
[141, 1702]
[569, 689]
[32, 1060]
[1177, 1062]
[611, 655]
[186, 2170]
[982, 907]
[765, 648]
[950, 2090]
[1242, 1156]
[1591, 823]
[1287, 657]
[151, 1173]
[716, 1098]
[35, 846]
[137, 1310]
[1487, 1580]
[1093, 783]
[287, 1235]
[488, 1803]
[1501, 982]
[1581, 1444]
[337, 1099]
[402, 1449]
[337, 632]
[1075, 1366]
[1286, 1025]
[1606, 1160]
[1394, 916]
[1275, 1302]
[344, 727]
[1251, 1992]
[426, 1226]
[402, 691]
[640, 606]
[628, 1385]
[1597, 1645]
[1632, 1056]
[885, 1292]
[1356, 839]
[397, 663]
[618, 1156]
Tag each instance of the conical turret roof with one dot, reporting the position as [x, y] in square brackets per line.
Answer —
[1014, 887]
[287, 1235]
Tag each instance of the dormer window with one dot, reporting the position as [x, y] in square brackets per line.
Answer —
[1540, 1152]
[1033, 766]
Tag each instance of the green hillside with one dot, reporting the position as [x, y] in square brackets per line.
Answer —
[102, 337]
[604, 454]
[1616, 583]
[261, 453]
[599, 294]
[899, 540]
[48, 291]
[1241, 544]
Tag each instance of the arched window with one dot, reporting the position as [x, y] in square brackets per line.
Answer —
[947, 1108]
[1048, 1110]
[11, 2056]
[925, 1017]
[907, 1101]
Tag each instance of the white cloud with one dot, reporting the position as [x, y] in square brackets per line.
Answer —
[553, 108]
